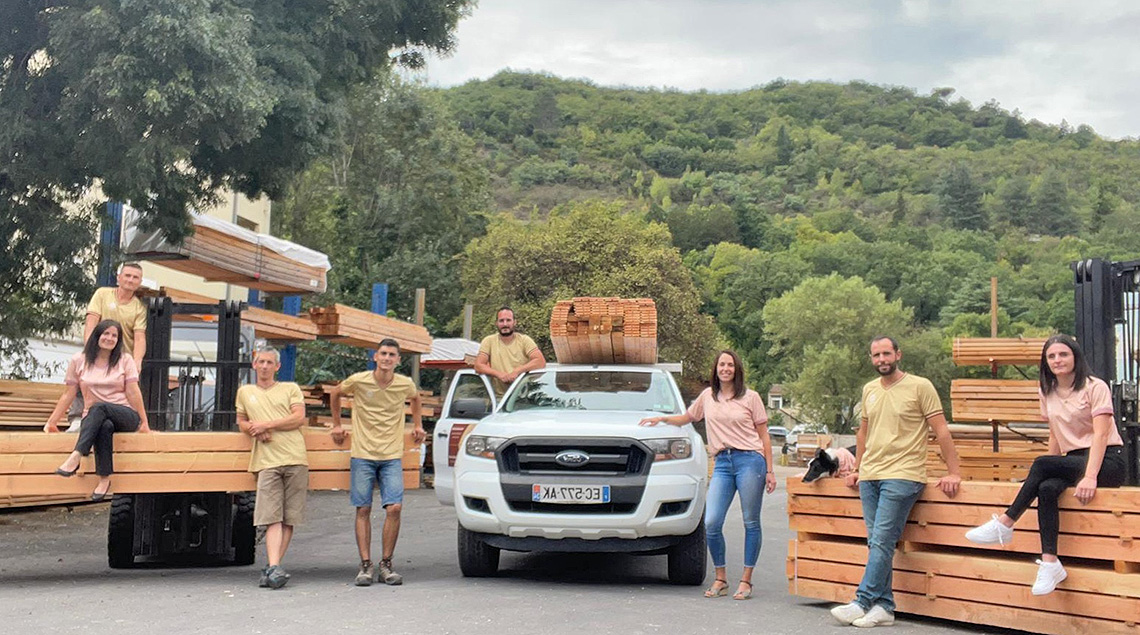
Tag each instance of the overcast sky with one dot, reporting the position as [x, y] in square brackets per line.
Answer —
[1051, 59]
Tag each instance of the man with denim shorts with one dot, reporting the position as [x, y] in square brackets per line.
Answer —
[272, 412]
[378, 398]
[899, 412]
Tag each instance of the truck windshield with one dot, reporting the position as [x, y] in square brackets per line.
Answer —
[594, 390]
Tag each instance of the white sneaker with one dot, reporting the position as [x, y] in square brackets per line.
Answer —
[877, 616]
[991, 533]
[1049, 575]
[848, 613]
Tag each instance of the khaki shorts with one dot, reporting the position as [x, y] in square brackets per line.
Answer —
[281, 495]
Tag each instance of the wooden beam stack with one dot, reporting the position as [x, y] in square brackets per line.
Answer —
[221, 257]
[990, 400]
[278, 327]
[355, 327]
[938, 573]
[604, 331]
[26, 405]
[985, 351]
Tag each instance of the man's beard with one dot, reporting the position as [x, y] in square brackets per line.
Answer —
[890, 369]
[506, 331]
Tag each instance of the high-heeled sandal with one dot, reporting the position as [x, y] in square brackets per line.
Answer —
[714, 591]
[745, 595]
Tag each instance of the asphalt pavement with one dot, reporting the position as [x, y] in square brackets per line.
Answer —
[54, 579]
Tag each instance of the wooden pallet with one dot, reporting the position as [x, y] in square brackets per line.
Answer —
[987, 351]
[355, 327]
[938, 573]
[994, 400]
[589, 330]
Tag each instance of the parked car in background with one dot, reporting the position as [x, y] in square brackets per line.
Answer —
[803, 428]
[779, 435]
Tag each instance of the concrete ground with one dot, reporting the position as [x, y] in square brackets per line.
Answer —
[54, 579]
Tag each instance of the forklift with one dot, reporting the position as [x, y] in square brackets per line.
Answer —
[199, 528]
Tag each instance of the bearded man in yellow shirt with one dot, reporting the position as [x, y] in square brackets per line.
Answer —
[272, 412]
[507, 354]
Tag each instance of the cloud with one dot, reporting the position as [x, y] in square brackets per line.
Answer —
[1051, 59]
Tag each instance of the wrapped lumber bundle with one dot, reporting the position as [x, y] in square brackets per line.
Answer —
[355, 327]
[938, 573]
[985, 351]
[604, 331]
[26, 405]
[224, 252]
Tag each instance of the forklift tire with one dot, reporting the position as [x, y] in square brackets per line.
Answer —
[121, 532]
[244, 534]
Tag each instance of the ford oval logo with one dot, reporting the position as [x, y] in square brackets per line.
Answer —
[572, 458]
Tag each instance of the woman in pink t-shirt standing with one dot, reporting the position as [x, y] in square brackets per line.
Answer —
[737, 428]
[109, 382]
[1085, 451]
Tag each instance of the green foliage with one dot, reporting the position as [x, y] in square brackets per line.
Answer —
[588, 248]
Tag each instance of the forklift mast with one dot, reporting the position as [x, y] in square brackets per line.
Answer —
[1107, 302]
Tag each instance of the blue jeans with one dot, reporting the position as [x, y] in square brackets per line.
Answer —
[736, 471]
[886, 506]
[364, 474]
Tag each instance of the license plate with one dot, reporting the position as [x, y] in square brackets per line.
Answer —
[570, 494]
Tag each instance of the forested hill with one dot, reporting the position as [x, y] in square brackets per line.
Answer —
[923, 197]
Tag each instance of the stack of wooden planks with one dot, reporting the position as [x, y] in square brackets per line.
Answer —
[163, 462]
[604, 331]
[355, 327]
[938, 573]
[317, 396]
[26, 405]
[278, 327]
[218, 256]
[990, 400]
[985, 351]
[979, 462]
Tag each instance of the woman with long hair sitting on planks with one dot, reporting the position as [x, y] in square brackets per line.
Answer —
[1085, 451]
[108, 379]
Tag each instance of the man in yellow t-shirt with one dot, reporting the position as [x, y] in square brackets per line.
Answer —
[899, 412]
[507, 354]
[378, 398]
[272, 412]
[120, 304]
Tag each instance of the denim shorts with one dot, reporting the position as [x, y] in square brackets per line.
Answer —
[367, 474]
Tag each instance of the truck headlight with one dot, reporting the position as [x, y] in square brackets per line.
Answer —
[483, 447]
[669, 449]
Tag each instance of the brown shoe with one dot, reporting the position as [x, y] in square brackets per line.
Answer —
[387, 575]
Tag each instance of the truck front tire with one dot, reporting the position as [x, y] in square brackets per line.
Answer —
[121, 532]
[477, 559]
[688, 559]
[244, 534]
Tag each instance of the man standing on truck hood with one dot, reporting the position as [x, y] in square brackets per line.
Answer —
[507, 354]
[378, 398]
[272, 412]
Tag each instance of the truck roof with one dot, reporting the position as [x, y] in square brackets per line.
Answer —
[645, 368]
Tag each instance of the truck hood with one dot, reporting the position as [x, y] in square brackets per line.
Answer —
[572, 423]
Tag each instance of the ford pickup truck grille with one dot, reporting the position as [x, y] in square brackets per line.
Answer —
[605, 457]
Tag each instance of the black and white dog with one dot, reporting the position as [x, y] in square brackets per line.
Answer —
[831, 462]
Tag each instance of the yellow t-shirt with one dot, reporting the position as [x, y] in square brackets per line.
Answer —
[506, 357]
[378, 415]
[897, 429]
[287, 447]
[131, 315]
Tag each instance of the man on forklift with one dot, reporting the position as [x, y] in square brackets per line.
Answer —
[272, 412]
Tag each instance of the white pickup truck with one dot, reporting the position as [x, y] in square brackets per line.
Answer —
[561, 465]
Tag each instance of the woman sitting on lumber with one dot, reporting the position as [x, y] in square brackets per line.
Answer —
[109, 382]
[1085, 450]
[737, 427]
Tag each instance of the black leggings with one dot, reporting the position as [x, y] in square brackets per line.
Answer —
[1051, 475]
[102, 421]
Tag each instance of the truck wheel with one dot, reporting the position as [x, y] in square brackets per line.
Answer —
[687, 559]
[121, 532]
[244, 534]
[477, 559]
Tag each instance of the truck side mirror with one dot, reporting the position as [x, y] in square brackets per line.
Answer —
[469, 408]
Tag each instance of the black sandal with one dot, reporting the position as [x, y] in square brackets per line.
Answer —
[744, 596]
[714, 591]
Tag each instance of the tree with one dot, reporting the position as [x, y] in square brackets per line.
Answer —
[820, 331]
[588, 249]
[785, 149]
[960, 198]
[1052, 211]
[161, 103]
[1014, 202]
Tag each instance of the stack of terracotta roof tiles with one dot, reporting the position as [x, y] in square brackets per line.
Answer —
[355, 327]
[604, 331]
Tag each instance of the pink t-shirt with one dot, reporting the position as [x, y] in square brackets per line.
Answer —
[846, 461]
[1071, 419]
[102, 384]
[731, 423]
